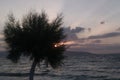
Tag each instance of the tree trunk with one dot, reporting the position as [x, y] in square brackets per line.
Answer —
[32, 70]
[46, 63]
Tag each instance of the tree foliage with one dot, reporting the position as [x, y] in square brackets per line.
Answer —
[35, 37]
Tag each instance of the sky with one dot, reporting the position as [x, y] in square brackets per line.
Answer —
[91, 25]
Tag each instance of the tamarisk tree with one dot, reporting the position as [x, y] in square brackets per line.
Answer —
[36, 38]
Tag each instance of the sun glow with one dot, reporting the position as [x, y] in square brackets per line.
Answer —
[69, 42]
[64, 43]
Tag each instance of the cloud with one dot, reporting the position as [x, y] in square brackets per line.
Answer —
[96, 41]
[118, 29]
[107, 35]
[71, 33]
[92, 44]
[77, 30]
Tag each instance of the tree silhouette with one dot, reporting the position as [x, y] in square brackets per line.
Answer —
[37, 38]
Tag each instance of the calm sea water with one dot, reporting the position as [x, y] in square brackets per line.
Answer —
[77, 67]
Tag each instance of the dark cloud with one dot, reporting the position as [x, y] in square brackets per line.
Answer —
[107, 35]
[71, 33]
[82, 40]
[96, 41]
[77, 30]
[102, 22]
[118, 29]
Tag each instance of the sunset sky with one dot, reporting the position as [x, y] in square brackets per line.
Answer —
[91, 25]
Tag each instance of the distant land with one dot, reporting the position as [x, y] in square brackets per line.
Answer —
[5, 53]
[87, 53]
[78, 53]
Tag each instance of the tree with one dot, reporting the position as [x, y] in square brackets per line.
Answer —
[37, 38]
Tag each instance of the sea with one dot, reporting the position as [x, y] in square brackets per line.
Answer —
[77, 66]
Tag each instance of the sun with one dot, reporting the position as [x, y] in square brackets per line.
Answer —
[58, 44]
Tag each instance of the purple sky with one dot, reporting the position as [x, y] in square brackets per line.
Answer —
[99, 19]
